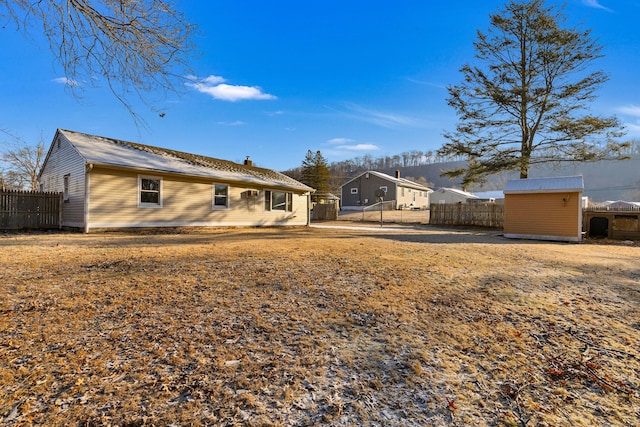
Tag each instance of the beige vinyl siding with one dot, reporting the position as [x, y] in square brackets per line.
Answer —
[542, 214]
[186, 201]
[64, 159]
[412, 198]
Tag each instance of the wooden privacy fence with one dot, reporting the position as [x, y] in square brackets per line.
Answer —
[473, 214]
[325, 211]
[30, 210]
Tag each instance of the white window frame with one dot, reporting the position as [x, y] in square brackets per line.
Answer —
[354, 190]
[142, 204]
[216, 196]
[268, 201]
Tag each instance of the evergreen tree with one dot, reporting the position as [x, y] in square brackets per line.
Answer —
[315, 173]
[525, 102]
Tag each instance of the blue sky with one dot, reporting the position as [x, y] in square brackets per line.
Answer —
[274, 79]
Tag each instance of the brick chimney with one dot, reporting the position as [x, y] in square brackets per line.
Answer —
[397, 173]
[248, 161]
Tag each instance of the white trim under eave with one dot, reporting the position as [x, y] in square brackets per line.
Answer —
[99, 225]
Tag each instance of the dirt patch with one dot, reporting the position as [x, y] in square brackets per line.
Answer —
[317, 326]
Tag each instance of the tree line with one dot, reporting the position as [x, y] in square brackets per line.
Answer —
[327, 177]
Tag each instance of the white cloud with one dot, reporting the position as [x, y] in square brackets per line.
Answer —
[630, 110]
[66, 81]
[633, 129]
[381, 118]
[595, 4]
[426, 83]
[359, 147]
[339, 140]
[235, 123]
[632, 125]
[214, 86]
[213, 80]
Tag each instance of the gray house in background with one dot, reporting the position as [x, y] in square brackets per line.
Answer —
[451, 195]
[363, 190]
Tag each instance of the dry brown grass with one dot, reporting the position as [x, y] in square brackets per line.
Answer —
[317, 326]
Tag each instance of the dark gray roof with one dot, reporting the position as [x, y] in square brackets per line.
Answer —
[400, 181]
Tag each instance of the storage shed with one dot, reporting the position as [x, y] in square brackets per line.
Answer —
[544, 208]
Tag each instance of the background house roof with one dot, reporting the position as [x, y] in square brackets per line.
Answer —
[495, 194]
[544, 185]
[400, 181]
[461, 193]
[113, 152]
[619, 204]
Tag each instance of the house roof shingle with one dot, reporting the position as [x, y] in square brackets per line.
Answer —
[105, 151]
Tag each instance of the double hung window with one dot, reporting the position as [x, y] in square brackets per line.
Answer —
[278, 201]
[220, 196]
[150, 191]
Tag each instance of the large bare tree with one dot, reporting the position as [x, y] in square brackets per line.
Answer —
[525, 100]
[23, 162]
[138, 47]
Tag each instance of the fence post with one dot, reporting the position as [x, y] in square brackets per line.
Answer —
[60, 205]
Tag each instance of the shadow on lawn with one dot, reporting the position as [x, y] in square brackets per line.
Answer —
[211, 236]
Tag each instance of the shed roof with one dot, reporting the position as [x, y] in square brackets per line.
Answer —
[104, 151]
[545, 185]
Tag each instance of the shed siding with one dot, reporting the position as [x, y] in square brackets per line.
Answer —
[543, 214]
[186, 201]
[64, 159]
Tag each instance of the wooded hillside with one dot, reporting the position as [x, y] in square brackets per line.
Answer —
[603, 180]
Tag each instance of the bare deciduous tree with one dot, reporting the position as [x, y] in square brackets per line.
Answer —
[137, 46]
[24, 162]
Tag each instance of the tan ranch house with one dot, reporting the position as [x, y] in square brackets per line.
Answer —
[110, 184]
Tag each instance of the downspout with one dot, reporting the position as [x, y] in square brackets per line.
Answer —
[87, 177]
